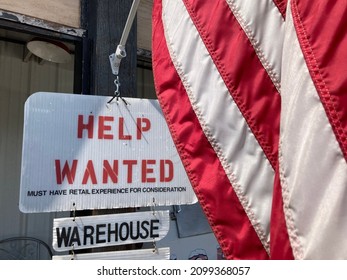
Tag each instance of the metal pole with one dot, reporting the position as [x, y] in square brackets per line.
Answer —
[129, 22]
[120, 53]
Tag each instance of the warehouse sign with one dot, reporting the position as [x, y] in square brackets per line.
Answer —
[108, 230]
[81, 152]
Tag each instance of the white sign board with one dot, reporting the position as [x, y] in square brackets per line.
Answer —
[79, 152]
[108, 230]
[143, 254]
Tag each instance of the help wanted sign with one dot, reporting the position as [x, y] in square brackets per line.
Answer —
[81, 152]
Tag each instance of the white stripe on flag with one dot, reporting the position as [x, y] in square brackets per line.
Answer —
[264, 26]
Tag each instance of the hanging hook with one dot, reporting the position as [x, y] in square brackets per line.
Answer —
[153, 206]
[117, 92]
[155, 249]
[117, 84]
[74, 211]
[73, 252]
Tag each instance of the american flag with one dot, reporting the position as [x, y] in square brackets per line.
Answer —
[255, 97]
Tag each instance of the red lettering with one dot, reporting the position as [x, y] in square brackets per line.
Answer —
[66, 172]
[146, 170]
[109, 171]
[121, 131]
[151, 171]
[163, 176]
[142, 128]
[89, 126]
[103, 127]
[89, 173]
[130, 164]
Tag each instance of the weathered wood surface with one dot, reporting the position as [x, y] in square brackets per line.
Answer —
[64, 12]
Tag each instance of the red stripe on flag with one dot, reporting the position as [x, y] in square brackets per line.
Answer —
[280, 248]
[226, 216]
[282, 6]
[324, 53]
[244, 75]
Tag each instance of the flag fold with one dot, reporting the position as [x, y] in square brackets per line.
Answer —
[254, 95]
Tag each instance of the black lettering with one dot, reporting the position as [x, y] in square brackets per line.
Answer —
[31, 193]
[99, 271]
[88, 233]
[75, 237]
[36, 193]
[63, 236]
[110, 232]
[145, 229]
[132, 230]
[153, 228]
[123, 234]
[99, 233]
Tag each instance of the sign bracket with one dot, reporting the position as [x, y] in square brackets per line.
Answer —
[120, 53]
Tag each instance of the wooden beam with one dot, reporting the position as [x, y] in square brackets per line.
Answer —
[63, 12]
